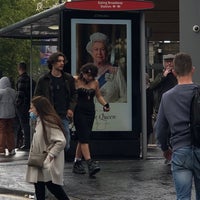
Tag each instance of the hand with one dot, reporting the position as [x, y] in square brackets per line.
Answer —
[167, 71]
[70, 113]
[168, 154]
[51, 158]
[106, 107]
[48, 161]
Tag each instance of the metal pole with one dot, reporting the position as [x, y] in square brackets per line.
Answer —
[60, 31]
[31, 75]
[143, 86]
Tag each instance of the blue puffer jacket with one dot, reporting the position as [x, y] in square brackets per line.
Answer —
[7, 99]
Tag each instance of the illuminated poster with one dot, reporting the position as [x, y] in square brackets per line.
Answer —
[46, 51]
[107, 43]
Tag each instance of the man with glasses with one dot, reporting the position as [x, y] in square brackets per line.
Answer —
[162, 83]
[164, 80]
[59, 87]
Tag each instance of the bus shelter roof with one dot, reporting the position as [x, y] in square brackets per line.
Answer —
[40, 26]
[37, 26]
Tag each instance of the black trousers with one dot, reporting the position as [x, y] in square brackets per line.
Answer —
[55, 189]
[23, 116]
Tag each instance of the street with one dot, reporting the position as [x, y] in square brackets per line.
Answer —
[148, 179]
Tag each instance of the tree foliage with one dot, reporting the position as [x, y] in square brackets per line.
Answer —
[13, 51]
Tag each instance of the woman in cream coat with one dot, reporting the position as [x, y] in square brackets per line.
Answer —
[48, 137]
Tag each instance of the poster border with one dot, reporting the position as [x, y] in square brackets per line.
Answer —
[135, 57]
[118, 110]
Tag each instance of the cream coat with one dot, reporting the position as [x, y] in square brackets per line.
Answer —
[52, 171]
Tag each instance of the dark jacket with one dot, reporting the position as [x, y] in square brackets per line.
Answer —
[160, 85]
[44, 87]
[149, 103]
[23, 87]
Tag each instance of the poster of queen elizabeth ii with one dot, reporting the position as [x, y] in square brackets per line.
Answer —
[104, 43]
[111, 78]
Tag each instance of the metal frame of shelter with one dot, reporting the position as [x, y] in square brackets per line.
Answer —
[37, 27]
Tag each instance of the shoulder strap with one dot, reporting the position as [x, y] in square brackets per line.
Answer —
[195, 117]
[45, 139]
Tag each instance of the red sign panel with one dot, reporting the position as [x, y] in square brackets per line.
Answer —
[111, 5]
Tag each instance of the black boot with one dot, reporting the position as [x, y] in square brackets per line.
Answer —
[78, 167]
[93, 167]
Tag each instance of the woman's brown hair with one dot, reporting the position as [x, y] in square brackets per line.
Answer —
[47, 113]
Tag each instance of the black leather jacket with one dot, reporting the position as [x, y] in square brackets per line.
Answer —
[44, 87]
[23, 87]
[160, 85]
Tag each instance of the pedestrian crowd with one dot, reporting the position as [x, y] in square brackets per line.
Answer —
[58, 98]
[50, 115]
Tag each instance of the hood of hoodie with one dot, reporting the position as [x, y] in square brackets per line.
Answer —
[4, 82]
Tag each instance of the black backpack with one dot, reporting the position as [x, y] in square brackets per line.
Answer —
[195, 118]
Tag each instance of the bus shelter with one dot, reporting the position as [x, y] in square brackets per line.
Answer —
[69, 27]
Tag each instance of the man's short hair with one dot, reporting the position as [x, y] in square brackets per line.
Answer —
[22, 65]
[182, 64]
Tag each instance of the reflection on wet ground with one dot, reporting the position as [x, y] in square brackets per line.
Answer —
[148, 179]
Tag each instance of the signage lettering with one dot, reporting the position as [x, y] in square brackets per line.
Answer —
[110, 5]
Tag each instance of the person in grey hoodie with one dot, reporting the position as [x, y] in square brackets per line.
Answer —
[7, 114]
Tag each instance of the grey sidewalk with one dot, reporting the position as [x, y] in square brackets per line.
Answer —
[118, 180]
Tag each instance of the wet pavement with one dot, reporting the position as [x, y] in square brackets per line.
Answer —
[148, 179]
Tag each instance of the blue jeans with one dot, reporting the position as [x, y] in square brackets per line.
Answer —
[65, 123]
[186, 167]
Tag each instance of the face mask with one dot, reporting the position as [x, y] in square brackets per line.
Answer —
[32, 116]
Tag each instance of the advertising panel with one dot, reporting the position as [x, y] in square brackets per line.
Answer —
[107, 43]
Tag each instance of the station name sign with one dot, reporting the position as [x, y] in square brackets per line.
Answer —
[111, 5]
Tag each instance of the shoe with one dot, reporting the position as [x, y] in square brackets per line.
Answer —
[24, 148]
[93, 167]
[12, 152]
[78, 168]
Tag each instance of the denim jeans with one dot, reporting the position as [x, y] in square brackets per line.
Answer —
[65, 122]
[186, 168]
